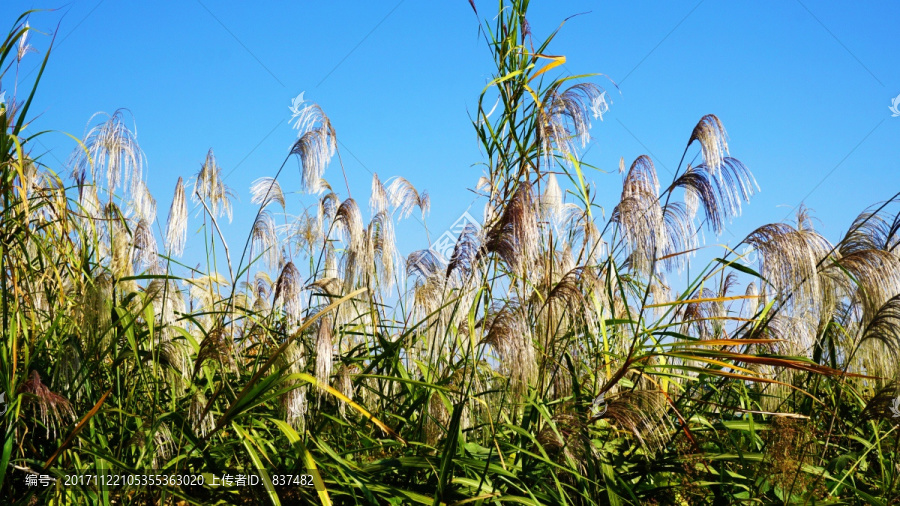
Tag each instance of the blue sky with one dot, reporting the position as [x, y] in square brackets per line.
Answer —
[803, 89]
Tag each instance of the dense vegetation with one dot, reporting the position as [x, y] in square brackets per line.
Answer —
[547, 362]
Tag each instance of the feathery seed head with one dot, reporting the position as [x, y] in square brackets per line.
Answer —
[288, 289]
[348, 222]
[464, 259]
[145, 251]
[315, 145]
[405, 197]
[266, 190]
[514, 235]
[112, 150]
[201, 419]
[294, 401]
[343, 383]
[143, 203]
[324, 349]
[710, 133]
[565, 117]
[381, 250]
[718, 191]
[24, 47]
[508, 332]
[751, 304]
[176, 229]
[265, 240]
[53, 408]
[90, 203]
[210, 188]
[262, 289]
[551, 201]
[424, 263]
[216, 346]
[640, 216]
[379, 200]
[788, 259]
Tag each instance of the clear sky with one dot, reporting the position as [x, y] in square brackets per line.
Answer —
[803, 88]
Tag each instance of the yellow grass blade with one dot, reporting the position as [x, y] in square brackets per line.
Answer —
[726, 342]
[711, 361]
[331, 390]
[704, 299]
[555, 61]
[78, 429]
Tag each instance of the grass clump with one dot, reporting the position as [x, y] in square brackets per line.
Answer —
[543, 360]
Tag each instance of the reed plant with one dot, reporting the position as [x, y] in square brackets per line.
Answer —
[545, 359]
